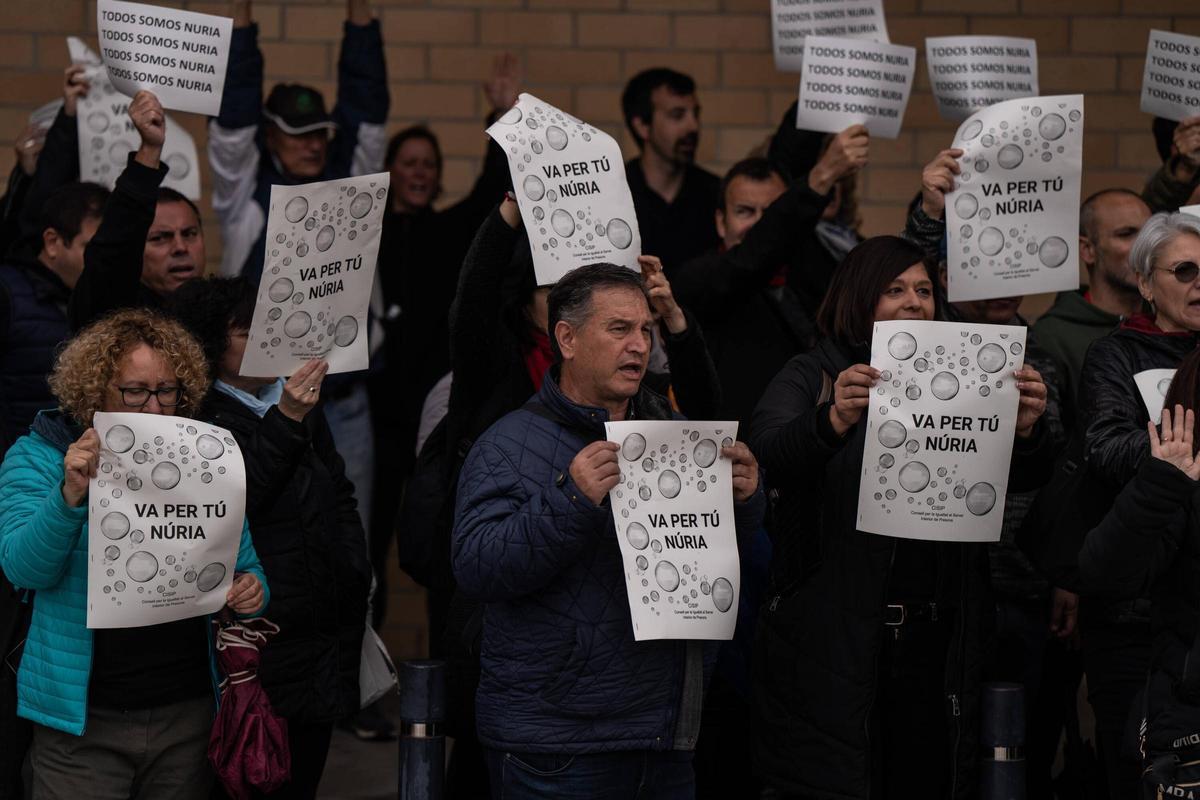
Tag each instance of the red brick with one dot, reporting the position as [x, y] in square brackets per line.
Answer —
[309, 23]
[526, 27]
[598, 104]
[1094, 181]
[734, 107]
[428, 27]
[466, 139]
[701, 66]
[16, 49]
[1075, 74]
[462, 63]
[1114, 112]
[900, 151]
[286, 61]
[723, 32]
[892, 183]
[574, 67]
[672, 5]
[1099, 150]
[1131, 72]
[30, 89]
[1114, 34]
[913, 30]
[734, 144]
[1065, 7]
[970, 6]
[559, 5]
[406, 63]
[1138, 150]
[46, 15]
[623, 30]
[754, 69]
[436, 101]
[269, 18]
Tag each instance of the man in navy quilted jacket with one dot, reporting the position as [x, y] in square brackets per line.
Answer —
[569, 705]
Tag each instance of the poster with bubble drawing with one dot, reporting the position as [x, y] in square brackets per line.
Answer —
[181, 56]
[673, 510]
[107, 135]
[1012, 222]
[1171, 77]
[940, 429]
[165, 517]
[792, 20]
[968, 73]
[321, 247]
[569, 179]
[850, 81]
[1152, 385]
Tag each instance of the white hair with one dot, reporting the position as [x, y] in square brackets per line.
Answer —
[1159, 231]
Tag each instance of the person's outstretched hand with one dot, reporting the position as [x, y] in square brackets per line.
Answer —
[503, 86]
[662, 300]
[151, 122]
[1174, 444]
[75, 86]
[848, 152]
[303, 390]
[937, 180]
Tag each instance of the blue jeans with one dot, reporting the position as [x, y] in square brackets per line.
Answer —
[639, 775]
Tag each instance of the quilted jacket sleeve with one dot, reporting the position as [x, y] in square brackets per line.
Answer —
[511, 538]
[1138, 539]
[38, 530]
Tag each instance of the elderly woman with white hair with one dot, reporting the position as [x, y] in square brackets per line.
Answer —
[1115, 629]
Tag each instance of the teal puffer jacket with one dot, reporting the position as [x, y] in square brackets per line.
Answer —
[43, 546]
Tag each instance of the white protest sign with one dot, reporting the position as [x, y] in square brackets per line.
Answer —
[849, 81]
[1153, 384]
[1012, 221]
[107, 135]
[940, 429]
[181, 56]
[1171, 78]
[1193, 210]
[322, 244]
[968, 73]
[673, 511]
[570, 184]
[792, 20]
[165, 516]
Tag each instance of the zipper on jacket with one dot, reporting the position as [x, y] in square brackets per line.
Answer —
[875, 684]
[774, 602]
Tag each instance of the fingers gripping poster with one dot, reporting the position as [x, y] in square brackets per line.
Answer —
[165, 517]
[107, 135]
[940, 427]
[321, 247]
[181, 56]
[1152, 385]
[569, 179]
[1012, 221]
[673, 510]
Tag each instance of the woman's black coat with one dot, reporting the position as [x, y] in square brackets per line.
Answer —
[305, 525]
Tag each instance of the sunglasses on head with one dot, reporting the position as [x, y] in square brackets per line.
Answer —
[1184, 271]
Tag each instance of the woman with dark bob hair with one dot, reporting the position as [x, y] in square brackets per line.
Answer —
[305, 524]
[116, 712]
[868, 650]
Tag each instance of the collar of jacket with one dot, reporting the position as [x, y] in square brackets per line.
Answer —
[57, 428]
[646, 404]
[1144, 323]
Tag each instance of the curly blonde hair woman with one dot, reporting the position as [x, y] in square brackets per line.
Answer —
[85, 368]
[116, 712]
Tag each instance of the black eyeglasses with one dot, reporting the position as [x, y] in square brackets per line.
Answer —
[1184, 271]
[138, 396]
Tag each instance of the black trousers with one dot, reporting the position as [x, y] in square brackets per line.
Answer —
[1116, 656]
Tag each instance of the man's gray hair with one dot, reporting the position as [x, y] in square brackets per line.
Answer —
[571, 298]
[1158, 232]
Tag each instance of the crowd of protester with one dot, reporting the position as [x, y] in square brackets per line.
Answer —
[475, 444]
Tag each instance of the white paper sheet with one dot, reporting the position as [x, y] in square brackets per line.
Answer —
[165, 516]
[969, 73]
[570, 184]
[849, 81]
[1171, 78]
[1153, 384]
[792, 20]
[322, 246]
[1012, 223]
[673, 511]
[940, 430]
[181, 56]
[107, 135]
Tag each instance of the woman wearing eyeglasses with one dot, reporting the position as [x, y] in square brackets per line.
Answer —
[1115, 632]
[116, 712]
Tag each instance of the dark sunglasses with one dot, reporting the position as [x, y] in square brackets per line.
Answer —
[1184, 271]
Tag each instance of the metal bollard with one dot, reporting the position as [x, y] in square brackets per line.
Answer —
[1002, 742]
[422, 744]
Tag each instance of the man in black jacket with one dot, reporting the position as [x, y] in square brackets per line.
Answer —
[674, 198]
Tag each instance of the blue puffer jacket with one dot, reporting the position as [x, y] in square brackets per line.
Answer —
[561, 671]
[43, 546]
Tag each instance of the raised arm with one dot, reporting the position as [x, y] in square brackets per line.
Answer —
[362, 104]
[112, 271]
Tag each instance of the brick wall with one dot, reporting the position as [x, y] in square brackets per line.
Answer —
[578, 53]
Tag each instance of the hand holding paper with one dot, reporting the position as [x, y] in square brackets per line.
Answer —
[594, 470]
[851, 396]
[847, 153]
[745, 470]
[1033, 400]
[246, 594]
[79, 467]
[75, 86]
[937, 181]
[303, 390]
